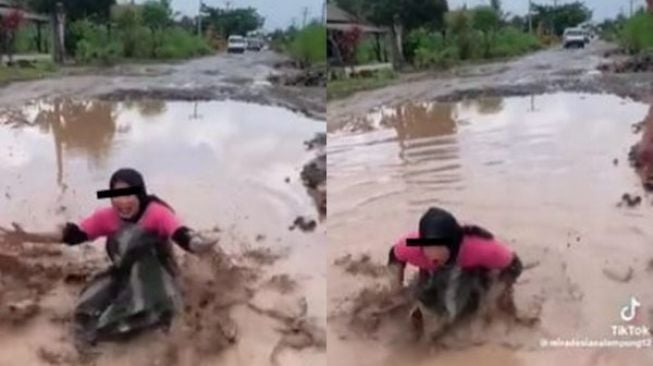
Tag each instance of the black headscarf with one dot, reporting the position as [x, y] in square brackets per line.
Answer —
[443, 227]
[133, 178]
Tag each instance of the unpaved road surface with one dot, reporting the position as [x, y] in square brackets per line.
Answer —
[541, 160]
[217, 77]
[554, 69]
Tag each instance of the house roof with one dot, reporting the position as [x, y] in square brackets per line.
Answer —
[340, 20]
[337, 15]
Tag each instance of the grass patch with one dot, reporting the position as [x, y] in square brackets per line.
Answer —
[338, 89]
[637, 34]
[39, 70]
[308, 47]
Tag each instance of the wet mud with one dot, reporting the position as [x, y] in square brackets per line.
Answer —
[637, 63]
[519, 167]
[218, 77]
[362, 265]
[314, 173]
[303, 224]
[640, 154]
[313, 77]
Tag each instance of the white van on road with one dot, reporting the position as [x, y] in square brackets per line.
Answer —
[236, 44]
[574, 37]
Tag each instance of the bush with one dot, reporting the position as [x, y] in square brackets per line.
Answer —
[178, 43]
[637, 34]
[94, 43]
[432, 49]
[444, 58]
[511, 42]
[471, 35]
[308, 47]
[366, 52]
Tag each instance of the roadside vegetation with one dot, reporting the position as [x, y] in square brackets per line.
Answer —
[106, 32]
[341, 88]
[435, 36]
[306, 46]
[633, 34]
[637, 33]
[103, 32]
[476, 34]
[431, 36]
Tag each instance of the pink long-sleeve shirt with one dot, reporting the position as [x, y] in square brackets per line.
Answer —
[157, 219]
[474, 252]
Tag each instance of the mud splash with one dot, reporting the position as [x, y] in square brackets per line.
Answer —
[314, 173]
[539, 172]
[218, 164]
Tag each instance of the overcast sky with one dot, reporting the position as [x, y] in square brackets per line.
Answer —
[281, 13]
[601, 8]
[277, 13]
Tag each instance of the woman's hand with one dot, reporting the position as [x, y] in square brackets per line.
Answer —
[200, 244]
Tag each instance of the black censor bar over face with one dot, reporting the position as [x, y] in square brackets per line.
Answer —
[111, 193]
[424, 242]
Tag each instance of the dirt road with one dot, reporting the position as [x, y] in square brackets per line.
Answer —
[554, 69]
[218, 77]
[547, 173]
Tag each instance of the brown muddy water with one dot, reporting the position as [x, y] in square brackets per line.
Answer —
[231, 165]
[540, 172]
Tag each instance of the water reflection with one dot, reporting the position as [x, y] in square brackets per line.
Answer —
[489, 105]
[78, 144]
[148, 107]
[79, 127]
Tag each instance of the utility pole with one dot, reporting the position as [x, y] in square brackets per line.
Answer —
[631, 8]
[530, 17]
[199, 19]
[324, 10]
[304, 16]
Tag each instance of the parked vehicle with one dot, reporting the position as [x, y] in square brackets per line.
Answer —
[254, 43]
[236, 44]
[574, 37]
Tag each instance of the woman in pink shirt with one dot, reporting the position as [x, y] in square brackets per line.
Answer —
[139, 290]
[441, 240]
[454, 262]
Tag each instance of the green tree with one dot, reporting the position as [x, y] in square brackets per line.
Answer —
[496, 5]
[156, 16]
[232, 21]
[518, 22]
[556, 19]
[459, 23]
[487, 20]
[76, 9]
[408, 15]
[128, 20]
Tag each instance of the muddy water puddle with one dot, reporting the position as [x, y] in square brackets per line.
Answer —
[540, 172]
[231, 165]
